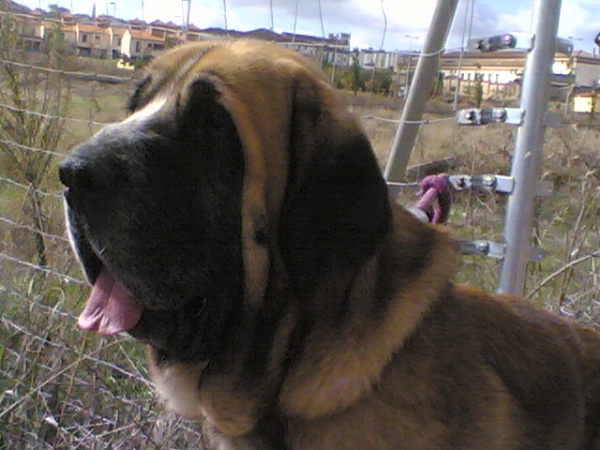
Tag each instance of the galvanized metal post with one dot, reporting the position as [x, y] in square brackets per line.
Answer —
[420, 90]
[528, 148]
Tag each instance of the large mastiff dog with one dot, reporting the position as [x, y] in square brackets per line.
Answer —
[237, 223]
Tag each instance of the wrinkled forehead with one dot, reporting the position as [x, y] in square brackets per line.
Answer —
[254, 84]
[255, 71]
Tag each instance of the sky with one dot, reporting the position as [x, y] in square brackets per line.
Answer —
[407, 20]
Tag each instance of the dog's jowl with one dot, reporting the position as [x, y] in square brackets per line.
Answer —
[238, 225]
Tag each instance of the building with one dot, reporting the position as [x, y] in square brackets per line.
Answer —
[584, 66]
[31, 29]
[586, 101]
[139, 43]
[93, 40]
[401, 63]
[501, 67]
[108, 37]
[500, 72]
[378, 59]
[311, 46]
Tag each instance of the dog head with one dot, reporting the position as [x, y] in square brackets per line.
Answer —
[238, 176]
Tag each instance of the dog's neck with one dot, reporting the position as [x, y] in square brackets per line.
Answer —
[350, 352]
[345, 347]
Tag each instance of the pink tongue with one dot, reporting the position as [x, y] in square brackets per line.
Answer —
[111, 308]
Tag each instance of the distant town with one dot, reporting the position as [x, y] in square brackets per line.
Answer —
[127, 41]
[104, 36]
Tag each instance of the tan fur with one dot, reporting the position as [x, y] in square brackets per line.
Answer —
[339, 363]
[178, 385]
[384, 355]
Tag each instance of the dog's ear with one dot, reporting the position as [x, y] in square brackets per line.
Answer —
[199, 107]
[136, 100]
[337, 208]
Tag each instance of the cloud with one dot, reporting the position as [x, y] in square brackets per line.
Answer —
[501, 17]
[362, 18]
[575, 22]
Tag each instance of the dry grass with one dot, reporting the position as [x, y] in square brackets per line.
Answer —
[60, 388]
[566, 224]
[63, 389]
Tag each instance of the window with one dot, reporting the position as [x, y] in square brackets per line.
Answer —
[84, 38]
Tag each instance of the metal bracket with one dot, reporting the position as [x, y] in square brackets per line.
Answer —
[494, 250]
[487, 183]
[483, 248]
[514, 40]
[483, 116]
[564, 46]
[501, 184]
[494, 43]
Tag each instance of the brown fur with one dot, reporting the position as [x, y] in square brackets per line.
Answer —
[350, 334]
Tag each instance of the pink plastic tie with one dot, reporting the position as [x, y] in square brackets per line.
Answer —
[435, 198]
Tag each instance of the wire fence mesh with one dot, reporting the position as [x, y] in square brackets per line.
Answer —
[60, 388]
[63, 389]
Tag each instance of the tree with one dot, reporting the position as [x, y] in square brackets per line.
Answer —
[57, 11]
[478, 88]
[354, 79]
[593, 105]
[381, 81]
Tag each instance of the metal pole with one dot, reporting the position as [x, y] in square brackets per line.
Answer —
[187, 20]
[528, 148]
[407, 81]
[295, 21]
[334, 63]
[420, 90]
[462, 51]
[410, 57]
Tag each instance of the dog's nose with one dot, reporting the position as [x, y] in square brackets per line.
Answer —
[99, 168]
[76, 174]
[90, 177]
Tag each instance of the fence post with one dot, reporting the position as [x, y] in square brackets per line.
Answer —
[528, 148]
[420, 90]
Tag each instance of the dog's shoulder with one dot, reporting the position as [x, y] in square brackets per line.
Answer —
[536, 353]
